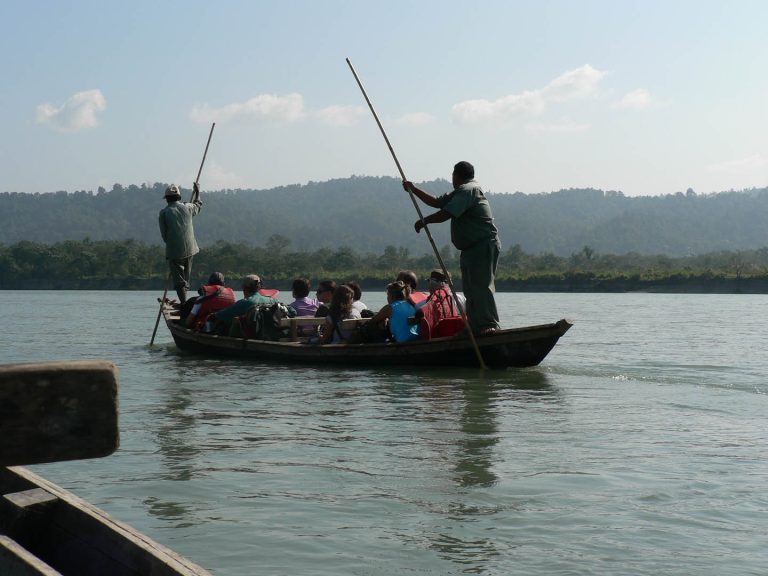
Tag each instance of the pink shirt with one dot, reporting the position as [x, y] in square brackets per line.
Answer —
[305, 306]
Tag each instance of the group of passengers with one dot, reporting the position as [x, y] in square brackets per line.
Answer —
[216, 310]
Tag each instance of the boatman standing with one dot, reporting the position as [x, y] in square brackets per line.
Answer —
[474, 233]
[179, 236]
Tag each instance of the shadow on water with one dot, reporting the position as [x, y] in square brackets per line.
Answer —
[175, 438]
[482, 396]
[478, 418]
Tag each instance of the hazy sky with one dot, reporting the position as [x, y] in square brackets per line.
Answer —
[644, 97]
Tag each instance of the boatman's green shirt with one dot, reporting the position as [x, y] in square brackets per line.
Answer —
[177, 231]
[471, 218]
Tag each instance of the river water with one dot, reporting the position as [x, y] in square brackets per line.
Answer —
[638, 446]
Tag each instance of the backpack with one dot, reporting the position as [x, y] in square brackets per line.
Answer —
[262, 321]
[438, 317]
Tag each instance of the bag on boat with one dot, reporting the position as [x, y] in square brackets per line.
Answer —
[369, 333]
[438, 317]
[262, 321]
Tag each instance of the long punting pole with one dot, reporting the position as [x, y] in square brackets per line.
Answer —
[421, 217]
[159, 312]
[200, 171]
[193, 199]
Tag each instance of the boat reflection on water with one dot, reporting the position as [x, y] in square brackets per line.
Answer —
[479, 401]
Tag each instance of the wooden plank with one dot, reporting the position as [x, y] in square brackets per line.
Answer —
[301, 321]
[15, 560]
[310, 321]
[295, 322]
[30, 498]
[57, 411]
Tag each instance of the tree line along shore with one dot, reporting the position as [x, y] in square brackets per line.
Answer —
[133, 265]
[376, 212]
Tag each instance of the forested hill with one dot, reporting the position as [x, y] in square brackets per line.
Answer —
[370, 213]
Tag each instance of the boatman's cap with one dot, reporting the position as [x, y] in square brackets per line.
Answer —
[437, 275]
[172, 191]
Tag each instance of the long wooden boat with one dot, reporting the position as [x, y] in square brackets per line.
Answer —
[515, 347]
[46, 530]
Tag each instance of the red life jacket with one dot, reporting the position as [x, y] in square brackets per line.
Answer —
[417, 298]
[439, 316]
[213, 298]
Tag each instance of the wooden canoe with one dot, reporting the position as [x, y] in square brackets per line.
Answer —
[54, 411]
[45, 530]
[515, 347]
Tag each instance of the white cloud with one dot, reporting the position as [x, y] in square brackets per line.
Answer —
[635, 100]
[755, 162]
[79, 112]
[289, 108]
[559, 127]
[472, 111]
[416, 119]
[578, 83]
[340, 115]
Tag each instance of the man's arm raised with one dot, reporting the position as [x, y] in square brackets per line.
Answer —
[425, 197]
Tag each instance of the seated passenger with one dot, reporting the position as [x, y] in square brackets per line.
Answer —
[251, 297]
[325, 290]
[212, 297]
[409, 278]
[439, 315]
[303, 304]
[340, 309]
[396, 314]
[358, 293]
[437, 281]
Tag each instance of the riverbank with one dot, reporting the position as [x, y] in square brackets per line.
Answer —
[672, 285]
[543, 284]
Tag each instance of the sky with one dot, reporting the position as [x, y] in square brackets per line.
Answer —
[643, 97]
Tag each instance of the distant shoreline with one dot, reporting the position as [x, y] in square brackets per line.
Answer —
[693, 285]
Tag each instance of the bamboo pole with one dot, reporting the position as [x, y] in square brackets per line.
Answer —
[200, 171]
[160, 311]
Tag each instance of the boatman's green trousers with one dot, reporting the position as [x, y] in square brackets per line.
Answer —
[478, 273]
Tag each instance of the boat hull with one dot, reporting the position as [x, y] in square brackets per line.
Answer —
[516, 347]
[47, 530]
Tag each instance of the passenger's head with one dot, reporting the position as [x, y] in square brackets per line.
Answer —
[463, 172]
[437, 280]
[300, 288]
[251, 284]
[172, 193]
[216, 279]
[356, 291]
[341, 301]
[397, 291]
[408, 277]
[325, 289]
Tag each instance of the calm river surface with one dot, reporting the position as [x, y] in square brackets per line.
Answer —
[639, 446]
